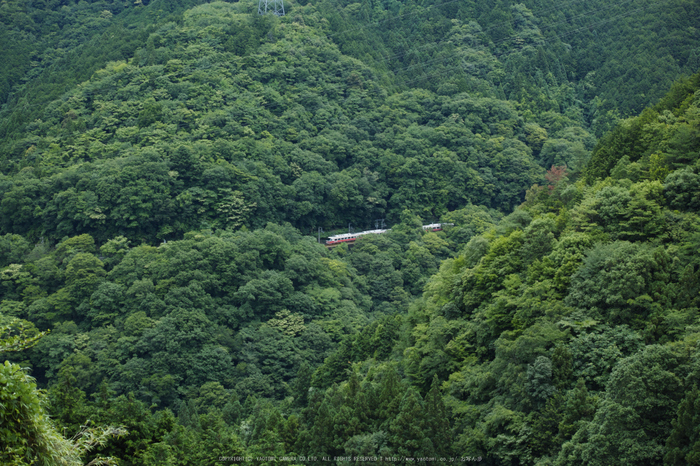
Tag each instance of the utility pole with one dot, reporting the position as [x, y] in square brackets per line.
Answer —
[276, 7]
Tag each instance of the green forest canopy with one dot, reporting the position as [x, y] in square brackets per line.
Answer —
[162, 166]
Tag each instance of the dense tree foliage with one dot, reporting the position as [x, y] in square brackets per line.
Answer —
[570, 335]
[199, 134]
[28, 435]
[166, 167]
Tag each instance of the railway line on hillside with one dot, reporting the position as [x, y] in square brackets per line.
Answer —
[349, 238]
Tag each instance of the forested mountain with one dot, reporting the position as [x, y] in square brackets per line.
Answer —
[165, 168]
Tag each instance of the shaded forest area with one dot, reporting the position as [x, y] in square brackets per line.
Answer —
[165, 167]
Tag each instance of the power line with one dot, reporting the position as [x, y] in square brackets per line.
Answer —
[390, 18]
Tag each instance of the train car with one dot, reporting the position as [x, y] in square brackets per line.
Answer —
[436, 226]
[350, 237]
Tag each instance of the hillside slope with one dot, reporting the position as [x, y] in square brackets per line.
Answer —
[165, 168]
[227, 121]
